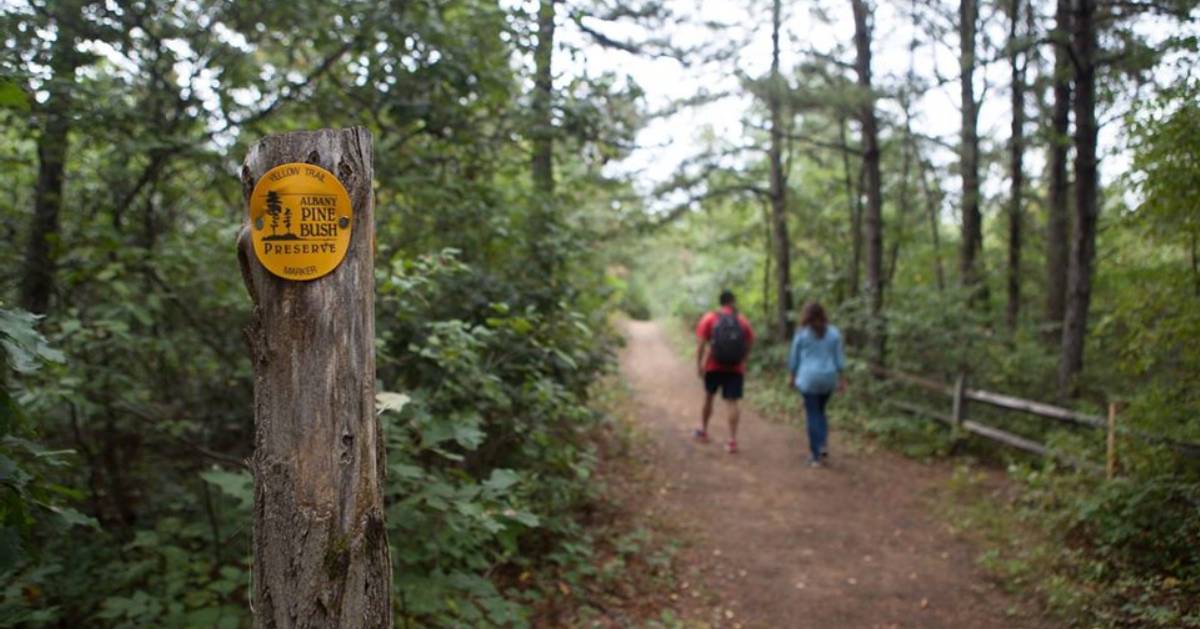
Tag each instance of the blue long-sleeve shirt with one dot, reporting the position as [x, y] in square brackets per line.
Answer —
[815, 363]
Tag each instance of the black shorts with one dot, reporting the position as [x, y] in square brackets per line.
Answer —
[729, 382]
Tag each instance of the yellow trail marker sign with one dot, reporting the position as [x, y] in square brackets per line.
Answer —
[300, 221]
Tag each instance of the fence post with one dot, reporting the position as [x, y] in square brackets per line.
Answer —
[306, 254]
[1110, 460]
[958, 411]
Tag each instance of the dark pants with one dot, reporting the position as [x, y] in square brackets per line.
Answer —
[730, 384]
[818, 426]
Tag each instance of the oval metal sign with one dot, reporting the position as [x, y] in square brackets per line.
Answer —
[300, 221]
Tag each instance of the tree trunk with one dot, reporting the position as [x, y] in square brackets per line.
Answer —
[854, 206]
[37, 282]
[1016, 168]
[778, 190]
[1083, 234]
[320, 546]
[543, 98]
[1195, 265]
[905, 195]
[37, 276]
[874, 209]
[933, 204]
[768, 244]
[972, 220]
[1058, 221]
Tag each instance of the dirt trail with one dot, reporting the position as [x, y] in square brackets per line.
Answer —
[779, 544]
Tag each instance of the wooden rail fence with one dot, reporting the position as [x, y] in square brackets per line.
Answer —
[960, 395]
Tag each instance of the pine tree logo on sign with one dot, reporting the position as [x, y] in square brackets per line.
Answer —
[301, 218]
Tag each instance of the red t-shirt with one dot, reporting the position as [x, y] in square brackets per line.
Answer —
[704, 331]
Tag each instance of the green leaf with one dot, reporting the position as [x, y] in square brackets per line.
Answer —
[468, 436]
[13, 97]
[566, 358]
[501, 480]
[74, 518]
[400, 470]
[11, 550]
[207, 617]
[11, 415]
[25, 347]
[524, 517]
[11, 474]
[238, 485]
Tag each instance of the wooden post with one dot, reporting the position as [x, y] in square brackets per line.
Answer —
[1110, 461]
[320, 546]
[958, 410]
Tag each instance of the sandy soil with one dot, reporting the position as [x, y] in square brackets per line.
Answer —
[774, 543]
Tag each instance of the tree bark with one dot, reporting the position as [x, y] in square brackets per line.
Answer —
[933, 204]
[1016, 167]
[874, 209]
[854, 206]
[1083, 234]
[972, 220]
[543, 97]
[320, 546]
[38, 274]
[768, 244]
[905, 194]
[933, 201]
[778, 189]
[1058, 221]
[1195, 265]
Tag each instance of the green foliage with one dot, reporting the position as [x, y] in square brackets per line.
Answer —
[1142, 527]
[12, 97]
[489, 451]
[1119, 554]
[489, 456]
[24, 348]
[1101, 554]
[32, 498]
[125, 421]
[1168, 153]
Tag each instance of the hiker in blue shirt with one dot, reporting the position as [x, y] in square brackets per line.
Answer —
[815, 365]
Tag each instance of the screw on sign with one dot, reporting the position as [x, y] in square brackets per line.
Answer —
[301, 218]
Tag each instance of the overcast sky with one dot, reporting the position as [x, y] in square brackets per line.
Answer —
[667, 142]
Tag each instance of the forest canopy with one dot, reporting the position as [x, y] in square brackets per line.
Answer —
[999, 189]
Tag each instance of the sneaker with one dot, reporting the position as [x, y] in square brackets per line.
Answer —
[700, 435]
[815, 463]
[731, 447]
[824, 455]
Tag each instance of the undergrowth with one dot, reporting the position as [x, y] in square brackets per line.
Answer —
[1087, 549]
[633, 573]
[1090, 552]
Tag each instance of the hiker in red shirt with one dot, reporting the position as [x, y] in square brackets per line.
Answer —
[725, 338]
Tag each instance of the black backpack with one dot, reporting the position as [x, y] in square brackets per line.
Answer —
[728, 340]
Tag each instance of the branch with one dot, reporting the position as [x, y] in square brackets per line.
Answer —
[152, 421]
[682, 208]
[622, 11]
[162, 155]
[661, 49]
[833, 146]
[294, 89]
[708, 169]
[605, 40]
[703, 98]
[1148, 6]
[830, 59]
[932, 139]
